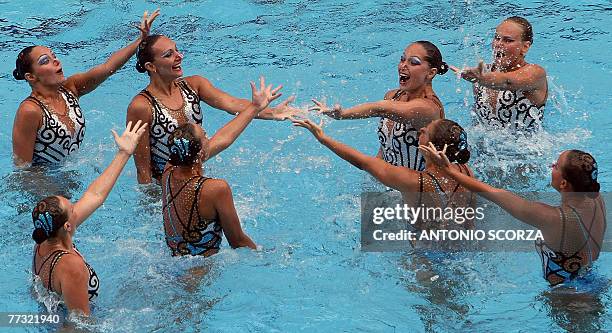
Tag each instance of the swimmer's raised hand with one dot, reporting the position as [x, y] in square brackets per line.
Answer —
[128, 141]
[322, 108]
[315, 129]
[262, 97]
[146, 22]
[283, 110]
[435, 156]
[471, 74]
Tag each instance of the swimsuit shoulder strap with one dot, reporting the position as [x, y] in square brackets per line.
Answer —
[563, 224]
[147, 94]
[56, 255]
[196, 197]
[42, 105]
[586, 232]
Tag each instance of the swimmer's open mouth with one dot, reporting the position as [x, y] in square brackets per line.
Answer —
[499, 54]
[404, 78]
[176, 67]
[60, 71]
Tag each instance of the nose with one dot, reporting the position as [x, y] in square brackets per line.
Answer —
[179, 55]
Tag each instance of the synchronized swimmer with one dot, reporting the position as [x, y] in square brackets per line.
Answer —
[420, 153]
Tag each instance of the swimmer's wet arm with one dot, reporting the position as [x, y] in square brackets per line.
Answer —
[83, 83]
[530, 77]
[98, 191]
[140, 109]
[399, 178]
[73, 277]
[412, 110]
[221, 100]
[228, 217]
[533, 213]
[25, 127]
[231, 131]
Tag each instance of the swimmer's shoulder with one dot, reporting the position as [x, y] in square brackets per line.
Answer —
[29, 111]
[140, 107]
[214, 193]
[197, 82]
[214, 189]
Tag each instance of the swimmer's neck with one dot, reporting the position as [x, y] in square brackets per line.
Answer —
[422, 91]
[188, 171]
[572, 198]
[510, 67]
[161, 87]
[47, 93]
[59, 242]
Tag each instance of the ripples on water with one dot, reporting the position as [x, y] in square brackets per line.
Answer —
[295, 198]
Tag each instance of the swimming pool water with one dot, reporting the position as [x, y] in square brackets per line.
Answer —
[295, 198]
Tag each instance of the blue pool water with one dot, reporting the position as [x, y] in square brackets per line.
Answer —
[294, 197]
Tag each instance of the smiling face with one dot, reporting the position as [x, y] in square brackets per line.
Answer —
[509, 48]
[46, 67]
[413, 69]
[166, 59]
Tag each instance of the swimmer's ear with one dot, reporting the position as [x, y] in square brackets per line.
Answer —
[564, 184]
[150, 67]
[432, 73]
[525, 47]
[29, 77]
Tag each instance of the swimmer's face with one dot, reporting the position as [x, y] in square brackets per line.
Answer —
[68, 207]
[46, 67]
[166, 60]
[509, 49]
[557, 181]
[414, 71]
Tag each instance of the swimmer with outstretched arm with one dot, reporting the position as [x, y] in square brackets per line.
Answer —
[510, 93]
[57, 263]
[199, 210]
[49, 124]
[442, 190]
[573, 231]
[404, 110]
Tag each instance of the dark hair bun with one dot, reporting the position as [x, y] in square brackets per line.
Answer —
[39, 236]
[594, 192]
[18, 75]
[140, 68]
[443, 68]
[463, 156]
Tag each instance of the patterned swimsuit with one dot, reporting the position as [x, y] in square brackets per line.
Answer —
[164, 123]
[399, 142]
[53, 258]
[54, 142]
[186, 231]
[560, 266]
[512, 110]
